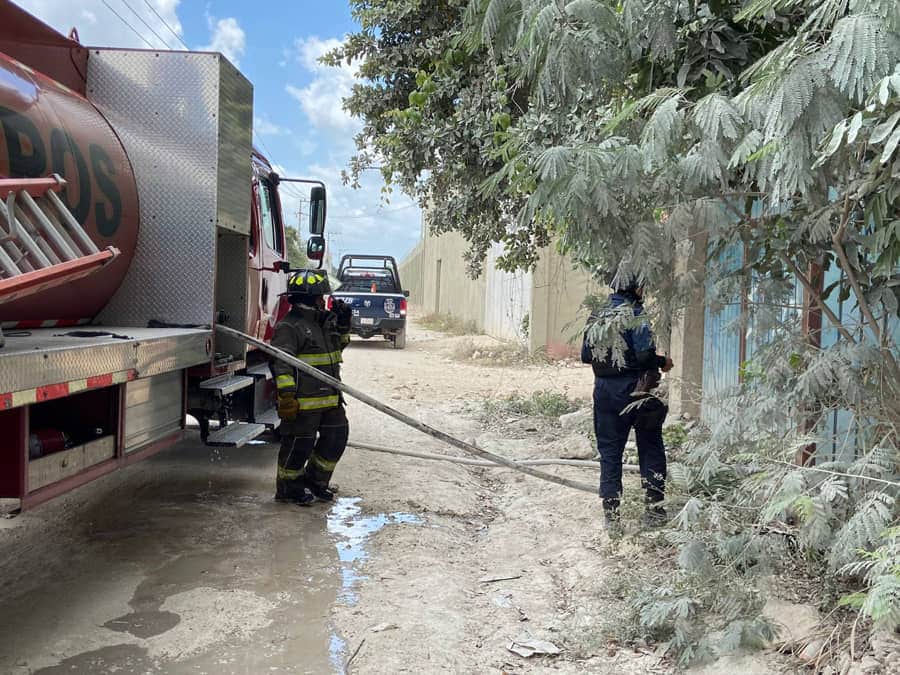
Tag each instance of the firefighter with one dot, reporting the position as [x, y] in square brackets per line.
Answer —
[618, 386]
[314, 427]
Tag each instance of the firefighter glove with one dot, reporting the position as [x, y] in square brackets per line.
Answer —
[343, 312]
[287, 406]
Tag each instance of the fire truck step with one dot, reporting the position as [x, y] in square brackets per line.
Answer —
[227, 384]
[260, 370]
[235, 434]
[269, 418]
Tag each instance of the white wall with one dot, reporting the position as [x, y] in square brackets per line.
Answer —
[507, 300]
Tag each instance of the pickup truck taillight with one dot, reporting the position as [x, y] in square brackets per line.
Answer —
[329, 303]
[403, 307]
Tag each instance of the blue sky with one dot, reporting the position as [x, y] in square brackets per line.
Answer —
[299, 121]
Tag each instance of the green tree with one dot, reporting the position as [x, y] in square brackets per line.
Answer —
[296, 251]
[436, 110]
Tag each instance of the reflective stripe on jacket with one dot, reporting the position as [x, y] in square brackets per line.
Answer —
[312, 336]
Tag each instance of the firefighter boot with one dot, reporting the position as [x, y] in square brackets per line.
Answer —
[321, 492]
[290, 492]
[333, 433]
[290, 485]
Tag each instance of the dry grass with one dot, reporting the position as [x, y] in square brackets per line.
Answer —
[495, 354]
[445, 323]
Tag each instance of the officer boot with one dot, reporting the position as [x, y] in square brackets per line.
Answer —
[612, 517]
[654, 512]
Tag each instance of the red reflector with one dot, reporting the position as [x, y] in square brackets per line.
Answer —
[403, 307]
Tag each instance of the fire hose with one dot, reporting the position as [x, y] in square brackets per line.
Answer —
[402, 417]
[582, 463]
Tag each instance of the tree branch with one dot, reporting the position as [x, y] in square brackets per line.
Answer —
[865, 308]
[815, 295]
[857, 289]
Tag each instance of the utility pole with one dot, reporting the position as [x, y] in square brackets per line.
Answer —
[300, 215]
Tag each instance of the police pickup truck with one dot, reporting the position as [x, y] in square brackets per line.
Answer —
[370, 284]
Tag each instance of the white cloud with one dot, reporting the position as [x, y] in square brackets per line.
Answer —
[99, 26]
[322, 100]
[228, 38]
[309, 50]
[305, 146]
[263, 126]
[358, 219]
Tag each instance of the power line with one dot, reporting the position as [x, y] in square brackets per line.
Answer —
[290, 188]
[146, 41]
[166, 24]
[266, 148]
[149, 27]
[378, 212]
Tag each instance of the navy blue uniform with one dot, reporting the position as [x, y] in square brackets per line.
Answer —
[613, 388]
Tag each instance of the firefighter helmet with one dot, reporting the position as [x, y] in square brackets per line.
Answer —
[307, 284]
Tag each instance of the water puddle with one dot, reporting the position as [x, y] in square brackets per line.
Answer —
[337, 653]
[352, 529]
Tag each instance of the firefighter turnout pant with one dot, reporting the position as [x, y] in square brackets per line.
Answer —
[611, 396]
[311, 446]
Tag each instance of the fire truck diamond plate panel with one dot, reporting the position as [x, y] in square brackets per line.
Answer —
[51, 356]
[165, 107]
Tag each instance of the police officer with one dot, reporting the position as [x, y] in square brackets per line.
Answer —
[617, 387]
[314, 427]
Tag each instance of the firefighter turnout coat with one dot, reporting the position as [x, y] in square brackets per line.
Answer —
[314, 337]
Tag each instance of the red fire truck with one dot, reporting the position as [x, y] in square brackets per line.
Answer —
[135, 215]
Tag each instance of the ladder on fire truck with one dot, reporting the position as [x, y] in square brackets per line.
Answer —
[41, 243]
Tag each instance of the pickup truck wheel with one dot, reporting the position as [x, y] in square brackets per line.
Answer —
[400, 339]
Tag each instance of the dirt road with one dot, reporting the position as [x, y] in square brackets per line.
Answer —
[183, 564]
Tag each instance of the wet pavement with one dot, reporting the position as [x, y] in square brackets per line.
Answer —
[182, 564]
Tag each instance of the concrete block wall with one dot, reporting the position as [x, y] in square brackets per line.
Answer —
[438, 280]
[501, 304]
[412, 274]
[557, 294]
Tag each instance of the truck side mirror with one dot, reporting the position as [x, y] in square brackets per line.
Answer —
[315, 247]
[317, 207]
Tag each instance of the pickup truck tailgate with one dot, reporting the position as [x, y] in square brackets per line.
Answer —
[369, 307]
